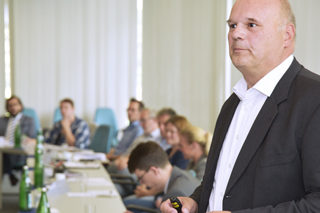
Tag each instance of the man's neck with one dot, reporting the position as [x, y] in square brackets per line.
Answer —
[153, 129]
[71, 118]
[197, 156]
[14, 116]
[167, 171]
[254, 74]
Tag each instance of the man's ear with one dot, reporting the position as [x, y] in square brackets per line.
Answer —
[290, 32]
[154, 169]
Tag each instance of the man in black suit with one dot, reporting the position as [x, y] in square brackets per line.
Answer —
[7, 127]
[264, 155]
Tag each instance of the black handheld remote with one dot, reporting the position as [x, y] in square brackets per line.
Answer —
[175, 202]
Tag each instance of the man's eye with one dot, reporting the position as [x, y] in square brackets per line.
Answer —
[232, 26]
[252, 25]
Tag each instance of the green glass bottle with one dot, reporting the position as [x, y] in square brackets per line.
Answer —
[43, 206]
[39, 165]
[17, 136]
[25, 198]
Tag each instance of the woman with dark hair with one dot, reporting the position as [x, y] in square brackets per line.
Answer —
[173, 127]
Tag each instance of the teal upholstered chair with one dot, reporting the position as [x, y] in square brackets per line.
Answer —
[102, 139]
[32, 113]
[57, 115]
[105, 116]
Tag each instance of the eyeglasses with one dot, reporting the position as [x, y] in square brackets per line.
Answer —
[141, 177]
[144, 120]
[132, 110]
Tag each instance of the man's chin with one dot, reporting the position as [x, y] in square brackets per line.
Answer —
[14, 114]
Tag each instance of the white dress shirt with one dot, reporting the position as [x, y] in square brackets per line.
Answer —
[12, 123]
[251, 102]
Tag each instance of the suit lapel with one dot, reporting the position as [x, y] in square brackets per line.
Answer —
[254, 139]
[262, 123]
[219, 135]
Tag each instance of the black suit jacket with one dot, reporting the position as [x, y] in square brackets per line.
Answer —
[27, 126]
[278, 167]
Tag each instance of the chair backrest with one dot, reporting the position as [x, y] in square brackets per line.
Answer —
[105, 116]
[32, 113]
[102, 139]
[57, 115]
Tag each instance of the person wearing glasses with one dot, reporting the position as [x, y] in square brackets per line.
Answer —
[150, 163]
[8, 125]
[130, 133]
[149, 123]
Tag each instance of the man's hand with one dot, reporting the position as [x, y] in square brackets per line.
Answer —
[27, 140]
[65, 123]
[158, 202]
[142, 190]
[110, 154]
[188, 206]
[66, 130]
[121, 163]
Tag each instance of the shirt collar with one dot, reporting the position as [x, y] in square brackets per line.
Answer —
[267, 84]
[155, 133]
[135, 123]
[17, 117]
[167, 185]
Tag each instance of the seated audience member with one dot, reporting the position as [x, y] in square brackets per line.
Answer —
[163, 116]
[71, 130]
[130, 133]
[150, 164]
[149, 124]
[7, 128]
[194, 144]
[173, 127]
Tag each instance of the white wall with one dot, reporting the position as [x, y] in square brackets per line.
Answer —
[2, 72]
[183, 58]
[307, 40]
[85, 50]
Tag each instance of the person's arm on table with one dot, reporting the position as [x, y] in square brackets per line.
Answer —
[122, 162]
[111, 155]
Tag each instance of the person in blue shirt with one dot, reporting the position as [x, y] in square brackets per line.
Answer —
[71, 130]
[131, 132]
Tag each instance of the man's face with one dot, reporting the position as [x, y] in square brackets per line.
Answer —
[255, 41]
[162, 119]
[14, 107]
[146, 122]
[133, 111]
[149, 177]
[67, 111]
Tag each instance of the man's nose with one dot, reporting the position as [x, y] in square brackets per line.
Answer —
[239, 32]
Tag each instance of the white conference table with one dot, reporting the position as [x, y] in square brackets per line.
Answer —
[67, 204]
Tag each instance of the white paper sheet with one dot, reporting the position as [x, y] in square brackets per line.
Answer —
[81, 165]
